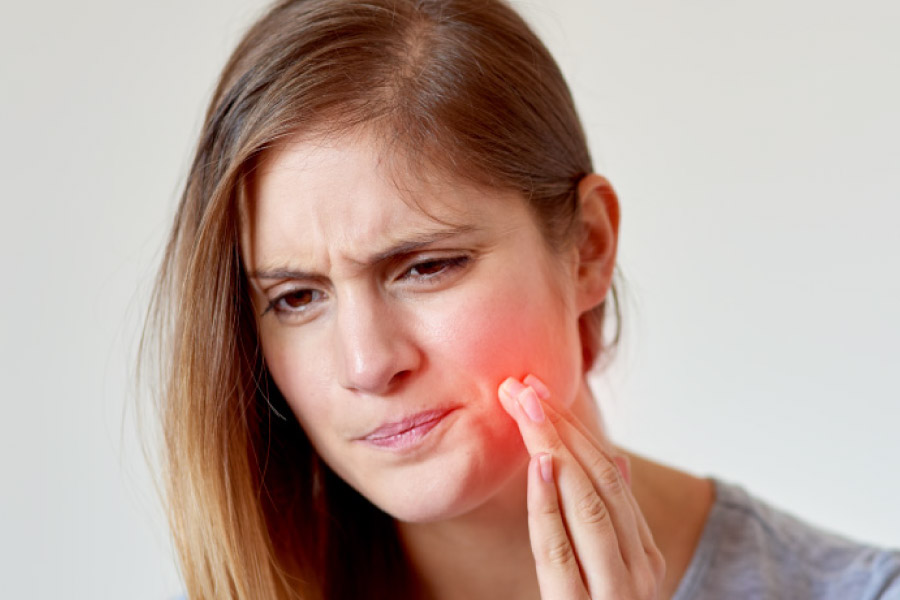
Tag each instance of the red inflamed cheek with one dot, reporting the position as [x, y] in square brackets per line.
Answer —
[511, 333]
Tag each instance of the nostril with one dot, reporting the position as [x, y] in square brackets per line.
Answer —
[400, 377]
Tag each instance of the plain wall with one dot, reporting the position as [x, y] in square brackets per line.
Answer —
[755, 148]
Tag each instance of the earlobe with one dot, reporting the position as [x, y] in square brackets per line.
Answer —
[598, 240]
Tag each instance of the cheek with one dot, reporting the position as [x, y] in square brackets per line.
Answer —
[509, 329]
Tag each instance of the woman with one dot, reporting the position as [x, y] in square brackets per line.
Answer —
[385, 286]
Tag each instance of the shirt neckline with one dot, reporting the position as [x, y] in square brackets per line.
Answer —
[709, 541]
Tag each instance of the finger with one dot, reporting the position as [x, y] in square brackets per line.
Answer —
[573, 422]
[609, 483]
[579, 440]
[557, 568]
[586, 517]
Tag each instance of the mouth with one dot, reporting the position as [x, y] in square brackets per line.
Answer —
[406, 433]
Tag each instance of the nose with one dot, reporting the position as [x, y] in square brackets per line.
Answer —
[375, 351]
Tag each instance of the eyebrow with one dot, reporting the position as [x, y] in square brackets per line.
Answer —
[401, 248]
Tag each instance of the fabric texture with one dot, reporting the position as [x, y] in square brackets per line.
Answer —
[750, 550]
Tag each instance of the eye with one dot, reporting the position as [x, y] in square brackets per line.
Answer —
[294, 301]
[436, 268]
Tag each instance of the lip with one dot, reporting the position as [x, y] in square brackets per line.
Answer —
[406, 433]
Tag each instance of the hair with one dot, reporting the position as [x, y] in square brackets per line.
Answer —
[463, 84]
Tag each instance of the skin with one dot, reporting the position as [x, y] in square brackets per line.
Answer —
[357, 335]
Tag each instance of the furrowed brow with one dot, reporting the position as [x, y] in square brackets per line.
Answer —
[418, 242]
[401, 248]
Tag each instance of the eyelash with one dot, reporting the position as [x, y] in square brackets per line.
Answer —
[447, 266]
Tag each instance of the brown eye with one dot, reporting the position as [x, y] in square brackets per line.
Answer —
[429, 269]
[294, 301]
[298, 298]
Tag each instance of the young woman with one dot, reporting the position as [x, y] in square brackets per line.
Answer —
[387, 280]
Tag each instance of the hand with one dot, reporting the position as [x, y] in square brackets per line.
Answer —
[588, 535]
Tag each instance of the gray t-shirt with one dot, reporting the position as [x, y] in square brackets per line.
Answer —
[749, 550]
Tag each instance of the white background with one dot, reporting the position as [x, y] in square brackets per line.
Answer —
[756, 150]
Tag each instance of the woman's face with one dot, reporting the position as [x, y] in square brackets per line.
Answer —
[388, 328]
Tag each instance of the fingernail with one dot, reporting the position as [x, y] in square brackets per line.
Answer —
[546, 463]
[529, 402]
[512, 388]
[538, 386]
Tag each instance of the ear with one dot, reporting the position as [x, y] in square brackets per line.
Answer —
[598, 240]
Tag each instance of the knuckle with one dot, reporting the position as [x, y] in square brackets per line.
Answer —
[548, 508]
[556, 550]
[591, 510]
[606, 474]
[553, 445]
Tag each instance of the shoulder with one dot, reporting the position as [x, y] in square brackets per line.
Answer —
[748, 549]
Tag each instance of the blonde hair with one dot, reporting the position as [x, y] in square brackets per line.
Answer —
[462, 85]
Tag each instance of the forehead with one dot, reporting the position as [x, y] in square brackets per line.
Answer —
[328, 199]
